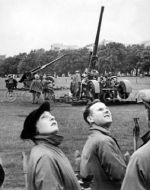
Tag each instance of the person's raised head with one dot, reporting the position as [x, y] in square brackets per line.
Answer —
[36, 76]
[97, 113]
[39, 122]
[77, 71]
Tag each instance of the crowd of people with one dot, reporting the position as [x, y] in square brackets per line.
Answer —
[79, 83]
[101, 166]
[37, 86]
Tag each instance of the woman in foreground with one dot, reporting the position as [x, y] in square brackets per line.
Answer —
[48, 167]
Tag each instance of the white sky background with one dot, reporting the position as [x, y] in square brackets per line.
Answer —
[33, 24]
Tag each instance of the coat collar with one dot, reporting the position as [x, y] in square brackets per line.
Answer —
[101, 129]
[53, 139]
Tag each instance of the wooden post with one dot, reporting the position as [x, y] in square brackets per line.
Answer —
[148, 112]
[24, 160]
[127, 157]
[136, 133]
[147, 106]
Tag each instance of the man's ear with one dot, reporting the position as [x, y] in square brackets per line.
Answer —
[90, 119]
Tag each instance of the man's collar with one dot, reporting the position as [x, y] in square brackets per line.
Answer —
[101, 129]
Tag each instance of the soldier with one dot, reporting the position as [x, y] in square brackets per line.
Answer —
[48, 90]
[84, 82]
[45, 89]
[75, 84]
[11, 83]
[36, 89]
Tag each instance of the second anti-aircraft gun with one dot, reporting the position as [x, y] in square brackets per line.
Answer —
[28, 76]
[92, 85]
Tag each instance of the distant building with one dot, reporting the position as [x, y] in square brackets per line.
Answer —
[60, 46]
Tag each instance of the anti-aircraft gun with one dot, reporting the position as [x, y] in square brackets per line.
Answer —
[89, 87]
[95, 86]
[28, 76]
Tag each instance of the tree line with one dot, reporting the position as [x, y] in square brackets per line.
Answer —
[112, 57]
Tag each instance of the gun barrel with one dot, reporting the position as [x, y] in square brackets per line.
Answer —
[35, 69]
[43, 66]
[93, 57]
[98, 32]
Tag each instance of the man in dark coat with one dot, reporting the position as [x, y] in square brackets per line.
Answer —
[101, 157]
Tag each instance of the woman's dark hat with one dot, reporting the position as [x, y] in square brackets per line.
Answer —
[29, 127]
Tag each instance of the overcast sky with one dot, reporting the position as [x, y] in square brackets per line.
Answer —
[33, 24]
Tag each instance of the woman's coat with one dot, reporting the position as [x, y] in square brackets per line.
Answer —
[49, 169]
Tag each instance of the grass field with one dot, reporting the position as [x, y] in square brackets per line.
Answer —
[71, 125]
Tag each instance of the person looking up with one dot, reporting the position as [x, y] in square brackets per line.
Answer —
[48, 167]
[101, 160]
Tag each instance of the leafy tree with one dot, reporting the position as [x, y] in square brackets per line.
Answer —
[112, 57]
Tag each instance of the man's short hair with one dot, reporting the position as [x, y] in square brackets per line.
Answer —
[87, 111]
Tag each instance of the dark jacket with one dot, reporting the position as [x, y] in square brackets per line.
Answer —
[137, 176]
[102, 158]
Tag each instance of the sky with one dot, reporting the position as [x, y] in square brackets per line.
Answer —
[26, 25]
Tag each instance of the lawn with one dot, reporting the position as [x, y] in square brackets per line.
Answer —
[72, 127]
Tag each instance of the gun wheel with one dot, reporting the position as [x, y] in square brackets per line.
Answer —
[11, 96]
[123, 89]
